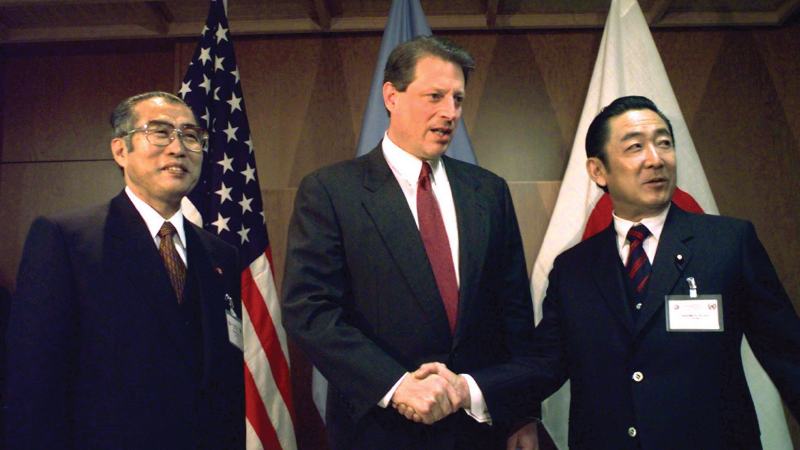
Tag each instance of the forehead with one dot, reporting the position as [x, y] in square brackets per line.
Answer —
[431, 70]
[160, 109]
[636, 121]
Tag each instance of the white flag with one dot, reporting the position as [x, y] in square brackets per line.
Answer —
[628, 63]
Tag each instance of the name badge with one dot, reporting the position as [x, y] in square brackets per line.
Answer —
[234, 329]
[694, 313]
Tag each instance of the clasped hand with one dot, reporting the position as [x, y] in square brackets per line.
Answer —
[431, 393]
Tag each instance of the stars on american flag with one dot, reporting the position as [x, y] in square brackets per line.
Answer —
[213, 90]
[228, 191]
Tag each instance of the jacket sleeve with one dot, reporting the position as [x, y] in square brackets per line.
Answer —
[318, 305]
[42, 338]
[773, 327]
[513, 390]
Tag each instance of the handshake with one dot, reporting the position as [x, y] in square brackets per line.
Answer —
[431, 393]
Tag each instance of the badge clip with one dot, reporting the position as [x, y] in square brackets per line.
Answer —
[229, 300]
[692, 287]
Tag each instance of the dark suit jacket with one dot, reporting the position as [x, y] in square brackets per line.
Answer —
[693, 394]
[99, 354]
[361, 300]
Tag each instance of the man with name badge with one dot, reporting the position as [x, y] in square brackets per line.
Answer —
[125, 329]
[647, 317]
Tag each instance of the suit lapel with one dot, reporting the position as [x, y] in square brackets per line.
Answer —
[473, 238]
[666, 270]
[131, 246]
[386, 204]
[608, 276]
[211, 298]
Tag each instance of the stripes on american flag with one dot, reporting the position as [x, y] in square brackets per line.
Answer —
[227, 202]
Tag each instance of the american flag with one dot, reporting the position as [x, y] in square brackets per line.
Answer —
[227, 202]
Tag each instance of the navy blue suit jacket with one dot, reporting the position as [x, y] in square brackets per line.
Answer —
[692, 393]
[99, 354]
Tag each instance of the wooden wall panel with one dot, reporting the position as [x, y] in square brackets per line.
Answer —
[56, 106]
[305, 96]
[34, 189]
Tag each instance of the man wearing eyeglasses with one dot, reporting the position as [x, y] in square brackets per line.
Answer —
[122, 329]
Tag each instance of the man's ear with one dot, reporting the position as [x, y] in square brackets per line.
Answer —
[389, 96]
[597, 171]
[119, 148]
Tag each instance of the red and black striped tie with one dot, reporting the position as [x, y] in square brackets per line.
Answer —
[638, 266]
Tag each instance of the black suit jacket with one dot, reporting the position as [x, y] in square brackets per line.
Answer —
[361, 300]
[693, 393]
[99, 353]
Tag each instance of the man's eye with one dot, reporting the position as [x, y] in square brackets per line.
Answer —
[162, 133]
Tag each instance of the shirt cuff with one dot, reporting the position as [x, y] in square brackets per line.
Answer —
[478, 409]
[388, 397]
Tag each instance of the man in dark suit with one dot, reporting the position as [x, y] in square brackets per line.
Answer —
[648, 321]
[371, 290]
[118, 333]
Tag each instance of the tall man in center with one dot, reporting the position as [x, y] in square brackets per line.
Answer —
[403, 257]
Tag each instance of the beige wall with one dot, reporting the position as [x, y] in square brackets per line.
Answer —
[306, 94]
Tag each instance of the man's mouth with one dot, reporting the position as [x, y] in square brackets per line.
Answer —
[657, 180]
[180, 168]
[442, 132]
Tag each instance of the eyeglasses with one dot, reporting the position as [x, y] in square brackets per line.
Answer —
[194, 139]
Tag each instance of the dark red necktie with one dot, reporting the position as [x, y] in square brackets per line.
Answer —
[172, 260]
[638, 266]
[434, 236]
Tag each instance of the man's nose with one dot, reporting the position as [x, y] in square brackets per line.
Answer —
[450, 110]
[176, 146]
[653, 156]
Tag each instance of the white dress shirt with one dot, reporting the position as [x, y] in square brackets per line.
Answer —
[154, 221]
[655, 224]
[406, 169]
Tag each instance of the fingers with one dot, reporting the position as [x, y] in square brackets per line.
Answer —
[427, 400]
[429, 368]
[525, 438]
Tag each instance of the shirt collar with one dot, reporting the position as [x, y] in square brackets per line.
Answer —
[408, 165]
[153, 219]
[655, 224]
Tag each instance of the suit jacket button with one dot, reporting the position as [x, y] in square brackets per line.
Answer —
[638, 306]
[632, 432]
[638, 376]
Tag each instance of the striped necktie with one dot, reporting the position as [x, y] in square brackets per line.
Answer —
[638, 266]
[172, 260]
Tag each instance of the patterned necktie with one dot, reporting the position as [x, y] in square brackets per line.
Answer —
[434, 236]
[638, 266]
[172, 260]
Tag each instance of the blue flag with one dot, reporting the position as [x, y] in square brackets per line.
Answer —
[406, 21]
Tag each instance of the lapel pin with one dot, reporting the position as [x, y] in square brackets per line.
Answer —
[679, 261]
[218, 270]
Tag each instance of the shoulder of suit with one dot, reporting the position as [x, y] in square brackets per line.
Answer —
[483, 177]
[210, 240]
[588, 248]
[79, 221]
[716, 224]
[341, 170]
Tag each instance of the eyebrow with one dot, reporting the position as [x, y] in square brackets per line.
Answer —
[635, 134]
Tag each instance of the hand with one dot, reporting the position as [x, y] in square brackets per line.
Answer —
[458, 382]
[526, 438]
[427, 399]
